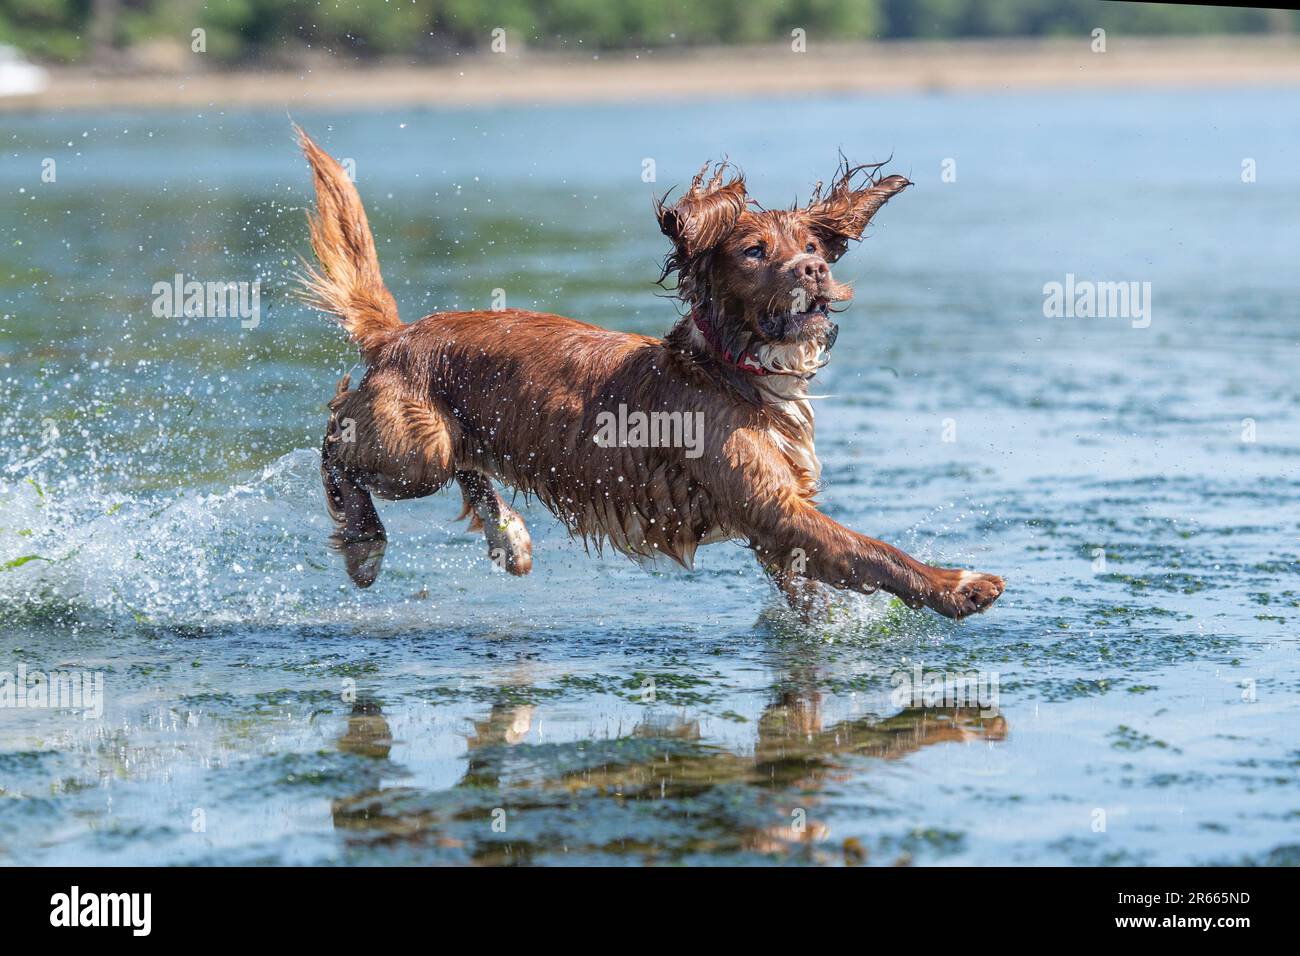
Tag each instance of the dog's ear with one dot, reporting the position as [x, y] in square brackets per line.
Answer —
[702, 218]
[843, 213]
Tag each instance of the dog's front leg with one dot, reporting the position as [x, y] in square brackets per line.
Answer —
[789, 534]
[804, 595]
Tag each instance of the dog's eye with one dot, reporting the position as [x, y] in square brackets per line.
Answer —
[811, 247]
[754, 252]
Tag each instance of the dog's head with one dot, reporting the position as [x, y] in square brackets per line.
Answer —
[758, 282]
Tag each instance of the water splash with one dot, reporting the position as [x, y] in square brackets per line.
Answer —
[252, 552]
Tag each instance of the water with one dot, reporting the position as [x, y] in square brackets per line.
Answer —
[161, 520]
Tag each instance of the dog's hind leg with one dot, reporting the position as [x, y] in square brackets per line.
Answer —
[509, 545]
[384, 442]
[358, 533]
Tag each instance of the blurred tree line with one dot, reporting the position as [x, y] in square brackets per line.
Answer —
[283, 30]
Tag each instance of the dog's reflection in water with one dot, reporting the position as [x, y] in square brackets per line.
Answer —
[367, 733]
[796, 754]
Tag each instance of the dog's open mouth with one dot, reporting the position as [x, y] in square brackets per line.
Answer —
[794, 343]
[795, 326]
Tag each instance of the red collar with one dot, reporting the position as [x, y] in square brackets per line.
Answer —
[746, 362]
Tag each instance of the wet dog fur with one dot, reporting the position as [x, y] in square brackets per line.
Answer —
[517, 397]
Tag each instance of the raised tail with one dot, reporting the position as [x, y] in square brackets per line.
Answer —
[347, 283]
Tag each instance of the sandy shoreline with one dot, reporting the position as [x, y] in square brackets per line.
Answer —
[488, 79]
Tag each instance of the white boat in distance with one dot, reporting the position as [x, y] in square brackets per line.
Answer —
[19, 77]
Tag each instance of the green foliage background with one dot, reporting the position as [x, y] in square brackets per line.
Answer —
[252, 30]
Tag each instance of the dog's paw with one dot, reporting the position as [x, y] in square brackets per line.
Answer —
[362, 558]
[969, 593]
[509, 544]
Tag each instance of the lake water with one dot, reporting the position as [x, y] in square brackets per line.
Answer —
[1134, 479]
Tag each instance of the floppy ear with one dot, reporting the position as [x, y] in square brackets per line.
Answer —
[844, 212]
[702, 218]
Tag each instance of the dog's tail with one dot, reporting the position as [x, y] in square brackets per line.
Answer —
[347, 283]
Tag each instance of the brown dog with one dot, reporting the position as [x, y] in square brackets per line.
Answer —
[655, 446]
